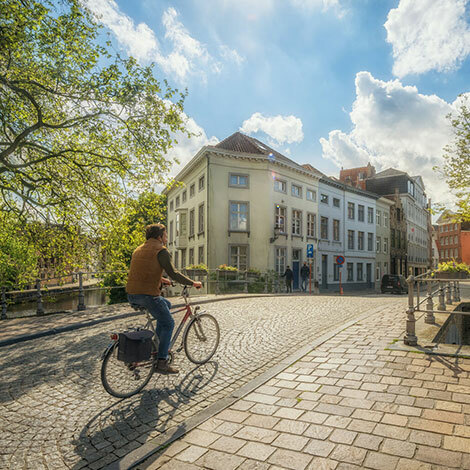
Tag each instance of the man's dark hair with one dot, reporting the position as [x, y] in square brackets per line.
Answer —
[154, 230]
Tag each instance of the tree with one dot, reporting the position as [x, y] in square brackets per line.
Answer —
[80, 126]
[457, 159]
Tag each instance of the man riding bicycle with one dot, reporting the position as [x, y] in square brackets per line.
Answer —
[144, 283]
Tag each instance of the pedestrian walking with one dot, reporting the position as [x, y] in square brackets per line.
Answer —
[304, 274]
[289, 275]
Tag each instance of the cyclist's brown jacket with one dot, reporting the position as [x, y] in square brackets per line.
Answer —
[148, 262]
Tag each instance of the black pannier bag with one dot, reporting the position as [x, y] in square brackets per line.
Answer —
[135, 346]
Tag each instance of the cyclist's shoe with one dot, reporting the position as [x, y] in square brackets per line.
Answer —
[163, 367]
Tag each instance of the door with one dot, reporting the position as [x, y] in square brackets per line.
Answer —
[296, 268]
[324, 271]
[369, 274]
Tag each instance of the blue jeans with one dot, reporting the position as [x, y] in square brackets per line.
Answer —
[304, 283]
[159, 308]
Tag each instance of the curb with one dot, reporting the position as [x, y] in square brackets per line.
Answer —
[145, 451]
[79, 325]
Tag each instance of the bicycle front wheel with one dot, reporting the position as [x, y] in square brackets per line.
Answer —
[201, 338]
[121, 379]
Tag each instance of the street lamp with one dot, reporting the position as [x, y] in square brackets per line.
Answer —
[277, 231]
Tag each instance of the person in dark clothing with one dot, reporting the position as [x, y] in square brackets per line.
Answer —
[304, 274]
[144, 283]
[289, 275]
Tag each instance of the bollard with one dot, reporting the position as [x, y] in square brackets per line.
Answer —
[454, 291]
[410, 337]
[429, 305]
[40, 308]
[448, 295]
[245, 287]
[4, 304]
[217, 287]
[442, 304]
[81, 293]
[266, 283]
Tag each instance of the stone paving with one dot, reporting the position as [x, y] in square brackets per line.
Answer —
[350, 403]
[56, 415]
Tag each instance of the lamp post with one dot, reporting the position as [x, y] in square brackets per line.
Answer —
[277, 231]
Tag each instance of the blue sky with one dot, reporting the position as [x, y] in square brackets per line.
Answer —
[327, 82]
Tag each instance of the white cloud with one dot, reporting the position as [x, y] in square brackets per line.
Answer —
[325, 5]
[187, 55]
[428, 35]
[187, 148]
[395, 126]
[282, 129]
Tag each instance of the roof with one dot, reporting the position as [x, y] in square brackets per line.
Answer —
[389, 172]
[242, 143]
[446, 217]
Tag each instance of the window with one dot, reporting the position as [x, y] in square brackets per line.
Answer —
[296, 190]
[183, 257]
[378, 217]
[296, 222]
[392, 233]
[191, 222]
[336, 230]
[239, 256]
[359, 273]
[192, 190]
[181, 224]
[360, 240]
[177, 264]
[171, 232]
[385, 245]
[385, 267]
[311, 195]
[280, 218]
[370, 241]
[311, 225]
[280, 186]
[185, 194]
[370, 215]
[177, 202]
[238, 216]
[377, 272]
[360, 213]
[378, 244]
[324, 198]
[336, 269]
[238, 181]
[171, 205]
[324, 228]
[386, 219]
[335, 202]
[350, 239]
[200, 225]
[200, 255]
[201, 183]
[280, 260]
[350, 268]
[191, 256]
[351, 210]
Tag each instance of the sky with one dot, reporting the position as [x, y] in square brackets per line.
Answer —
[333, 83]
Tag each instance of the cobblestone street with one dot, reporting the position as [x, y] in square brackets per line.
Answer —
[55, 413]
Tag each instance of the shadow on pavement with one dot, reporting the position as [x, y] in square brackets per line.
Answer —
[127, 424]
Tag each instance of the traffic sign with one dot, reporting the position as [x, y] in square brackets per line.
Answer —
[340, 260]
[309, 250]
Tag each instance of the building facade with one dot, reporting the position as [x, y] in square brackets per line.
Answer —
[452, 239]
[230, 199]
[382, 221]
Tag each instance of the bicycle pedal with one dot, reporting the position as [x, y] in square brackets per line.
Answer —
[179, 349]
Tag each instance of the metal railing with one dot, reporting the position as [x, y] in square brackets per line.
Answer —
[447, 292]
[216, 281]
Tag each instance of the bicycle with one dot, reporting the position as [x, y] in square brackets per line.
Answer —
[200, 341]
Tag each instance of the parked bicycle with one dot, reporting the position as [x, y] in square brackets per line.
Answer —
[122, 378]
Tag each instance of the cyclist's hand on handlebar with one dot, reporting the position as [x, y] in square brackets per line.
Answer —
[166, 282]
[197, 284]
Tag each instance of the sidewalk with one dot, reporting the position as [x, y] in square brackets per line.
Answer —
[349, 403]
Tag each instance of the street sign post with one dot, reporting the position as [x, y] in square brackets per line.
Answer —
[310, 257]
[340, 261]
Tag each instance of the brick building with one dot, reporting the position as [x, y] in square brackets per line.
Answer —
[453, 239]
[357, 176]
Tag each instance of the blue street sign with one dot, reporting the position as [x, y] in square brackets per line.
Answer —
[310, 250]
[340, 260]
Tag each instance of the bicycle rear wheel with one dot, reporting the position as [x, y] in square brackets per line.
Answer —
[201, 338]
[122, 380]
